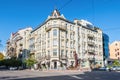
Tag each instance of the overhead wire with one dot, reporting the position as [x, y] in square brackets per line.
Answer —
[63, 6]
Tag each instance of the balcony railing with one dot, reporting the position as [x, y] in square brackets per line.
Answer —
[47, 57]
[63, 57]
[90, 43]
[90, 36]
[32, 51]
[90, 51]
[62, 27]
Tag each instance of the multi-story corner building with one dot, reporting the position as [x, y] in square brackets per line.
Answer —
[18, 44]
[105, 48]
[60, 42]
[115, 50]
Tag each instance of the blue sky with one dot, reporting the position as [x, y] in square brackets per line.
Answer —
[19, 14]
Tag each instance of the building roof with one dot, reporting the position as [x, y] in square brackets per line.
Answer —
[54, 16]
[55, 12]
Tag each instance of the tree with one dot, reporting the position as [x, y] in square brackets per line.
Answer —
[13, 62]
[30, 62]
[1, 56]
[116, 63]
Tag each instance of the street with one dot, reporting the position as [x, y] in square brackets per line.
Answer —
[58, 75]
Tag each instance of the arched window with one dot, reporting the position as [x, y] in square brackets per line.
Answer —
[54, 32]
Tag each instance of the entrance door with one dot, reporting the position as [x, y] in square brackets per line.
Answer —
[55, 65]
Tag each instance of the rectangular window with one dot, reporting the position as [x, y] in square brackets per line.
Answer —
[48, 43]
[54, 52]
[54, 22]
[66, 53]
[62, 43]
[55, 42]
[71, 36]
[71, 54]
[62, 52]
[55, 32]
[67, 44]
[48, 52]
[49, 34]
[71, 45]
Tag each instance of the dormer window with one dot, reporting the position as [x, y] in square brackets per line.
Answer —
[55, 15]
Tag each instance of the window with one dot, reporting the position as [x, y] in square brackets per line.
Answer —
[118, 53]
[116, 44]
[70, 44]
[62, 52]
[54, 52]
[67, 44]
[66, 52]
[55, 42]
[71, 54]
[55, 15]
[49, 34]
[54, 22]
[66, 24]
[83, 35]
[71, 36]
[70, 27]
[48, 43]
[48, 52]
[54, 32]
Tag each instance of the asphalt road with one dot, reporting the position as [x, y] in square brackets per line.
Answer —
[58, 75]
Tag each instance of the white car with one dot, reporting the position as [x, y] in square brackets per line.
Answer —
[13, 68]
[115, 68]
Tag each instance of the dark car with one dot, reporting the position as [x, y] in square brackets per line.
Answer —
[101, 69]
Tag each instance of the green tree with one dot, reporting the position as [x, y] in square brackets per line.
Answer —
[116, 63]
[30, 62]
[1, 56]
[11, 62]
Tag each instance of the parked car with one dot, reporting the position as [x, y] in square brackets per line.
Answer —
[13, 68]
[104, 68]
[101, 69]
[115, 68]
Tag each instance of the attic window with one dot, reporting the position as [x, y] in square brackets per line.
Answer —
[116, 44]
[55, 15]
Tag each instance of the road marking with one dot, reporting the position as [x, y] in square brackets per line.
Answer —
[76, 77]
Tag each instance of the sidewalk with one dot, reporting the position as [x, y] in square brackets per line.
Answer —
[66, 71]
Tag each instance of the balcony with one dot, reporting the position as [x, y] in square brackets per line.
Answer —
[63, 57]
[48, 28]
[92, 52]
[61, 27]
[90, 43]
[47, 57]
[32, 51]
[90, 36]
[21, 49]
[91, 59]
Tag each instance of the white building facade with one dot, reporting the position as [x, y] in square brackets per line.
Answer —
[17, 45]
[59, 42]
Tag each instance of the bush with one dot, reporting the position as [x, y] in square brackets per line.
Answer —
[30, 62]
[11, 62]
[116, 63]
